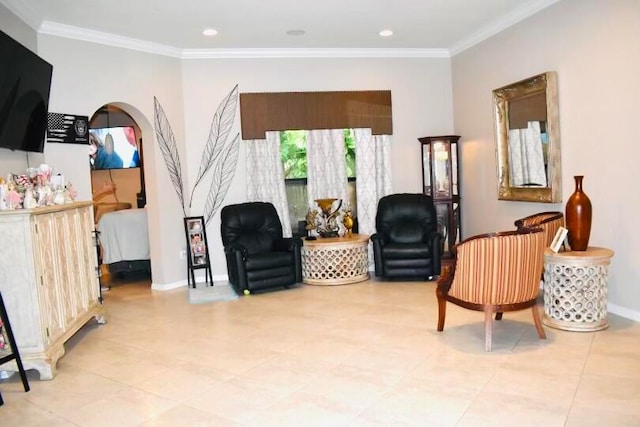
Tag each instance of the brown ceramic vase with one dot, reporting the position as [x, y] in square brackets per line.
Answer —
[578, 218]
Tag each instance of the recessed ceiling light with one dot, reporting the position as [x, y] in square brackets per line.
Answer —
[296, 32]
[210, 32]
[386, 33]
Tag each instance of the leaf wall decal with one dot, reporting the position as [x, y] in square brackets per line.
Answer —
[220, 127]
[223, 173]
[169, 150]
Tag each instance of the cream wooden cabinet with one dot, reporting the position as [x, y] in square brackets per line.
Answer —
[48, 279]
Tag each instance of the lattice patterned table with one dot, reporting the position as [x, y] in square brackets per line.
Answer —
[575, 289]
[335, 260]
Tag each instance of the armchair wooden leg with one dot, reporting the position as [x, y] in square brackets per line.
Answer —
[538, 323]
[442, 311]
[488, 314]
[499, 315]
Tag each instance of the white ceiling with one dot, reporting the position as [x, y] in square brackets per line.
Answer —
[445, 26]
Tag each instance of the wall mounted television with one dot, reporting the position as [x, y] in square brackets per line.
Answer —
[113, 148]
[25, 83]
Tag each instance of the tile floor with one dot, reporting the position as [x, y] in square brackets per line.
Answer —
[356, 355]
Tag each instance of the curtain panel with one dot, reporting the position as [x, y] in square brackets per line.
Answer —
[265, 177]
[373, 171]
[326, 166]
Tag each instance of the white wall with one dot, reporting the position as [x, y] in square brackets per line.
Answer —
[421, 102]
[594, 47]
[87, 76]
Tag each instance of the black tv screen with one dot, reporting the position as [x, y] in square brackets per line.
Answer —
[25, 82]
[113, 148]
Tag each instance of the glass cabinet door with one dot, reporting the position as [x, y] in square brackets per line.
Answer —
[441, 181]
[426, 169]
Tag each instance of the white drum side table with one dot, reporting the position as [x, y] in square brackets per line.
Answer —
[335, 260]
[575, 289]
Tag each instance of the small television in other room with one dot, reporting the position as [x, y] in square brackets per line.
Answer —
[113, 148]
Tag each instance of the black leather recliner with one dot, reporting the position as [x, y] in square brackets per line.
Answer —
[258, 257]
[406, 244]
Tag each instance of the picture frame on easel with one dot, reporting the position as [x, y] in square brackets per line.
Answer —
[197, 249]
[558, 239]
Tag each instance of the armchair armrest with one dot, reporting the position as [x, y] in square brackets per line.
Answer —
[236, 249]
[293, 245]
[377, 237]
[288, 244]
[434, 239]
[378, 241]
[236, 255]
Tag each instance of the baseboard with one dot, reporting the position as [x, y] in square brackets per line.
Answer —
[200, 277]
[627, 313]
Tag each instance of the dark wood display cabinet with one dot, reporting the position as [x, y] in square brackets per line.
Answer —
[440, 180]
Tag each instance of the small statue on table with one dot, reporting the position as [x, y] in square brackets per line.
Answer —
[312, 219]
[347, 220]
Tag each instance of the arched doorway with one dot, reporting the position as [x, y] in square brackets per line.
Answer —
[118, 184]
[122, 156]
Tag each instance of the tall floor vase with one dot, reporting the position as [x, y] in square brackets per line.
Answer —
[578, 217]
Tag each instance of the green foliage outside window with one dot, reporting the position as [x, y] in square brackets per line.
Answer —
[293, 152]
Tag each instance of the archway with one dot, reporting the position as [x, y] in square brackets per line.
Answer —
[118, 183]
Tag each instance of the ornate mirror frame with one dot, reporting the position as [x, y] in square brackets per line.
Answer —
[546, 84]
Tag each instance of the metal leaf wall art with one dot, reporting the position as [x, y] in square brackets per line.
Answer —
[219, 155]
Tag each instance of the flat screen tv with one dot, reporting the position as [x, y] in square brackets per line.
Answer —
[25, 82]
[113, 148]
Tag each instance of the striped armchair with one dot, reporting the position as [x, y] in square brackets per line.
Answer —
[550, 222]
[494, 273]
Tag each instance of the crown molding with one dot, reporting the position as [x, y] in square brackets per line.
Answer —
[21, 9]
[315, 53]
[92, 36]
[502, 24]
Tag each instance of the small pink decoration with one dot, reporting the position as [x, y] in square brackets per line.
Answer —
[71, 193]
[14, 199]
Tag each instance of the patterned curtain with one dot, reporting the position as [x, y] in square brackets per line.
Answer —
[265, 177]
[373, 172]
[326, 167]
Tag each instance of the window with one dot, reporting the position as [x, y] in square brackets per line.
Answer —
[293, 152]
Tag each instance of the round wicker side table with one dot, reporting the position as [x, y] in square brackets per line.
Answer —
[575, 289]
[335, 260]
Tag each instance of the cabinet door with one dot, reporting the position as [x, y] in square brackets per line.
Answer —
[68, 259]
[85, 288]
[89, 272]
[47, 276]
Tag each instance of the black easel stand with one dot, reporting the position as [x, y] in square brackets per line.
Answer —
[197, 250]
[14, 355]
[208, 276]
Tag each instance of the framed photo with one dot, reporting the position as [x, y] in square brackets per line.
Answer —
[558, 240]
[196, 241]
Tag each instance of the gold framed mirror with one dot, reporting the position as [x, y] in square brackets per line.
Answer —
[528, 140]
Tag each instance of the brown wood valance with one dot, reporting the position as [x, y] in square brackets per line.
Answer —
[261, 112]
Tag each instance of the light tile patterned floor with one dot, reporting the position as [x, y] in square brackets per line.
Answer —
[359, 355]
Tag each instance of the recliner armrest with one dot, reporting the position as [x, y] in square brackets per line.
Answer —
[435, 240]
[287, 244]
[378, 242]
[378, 238]
[234, 248]
[433, 237]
